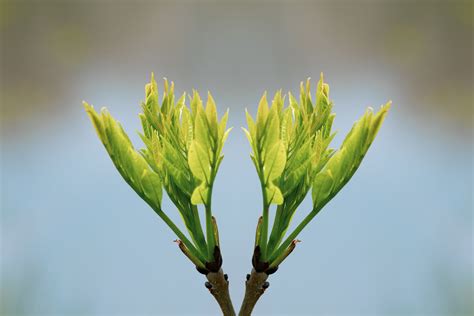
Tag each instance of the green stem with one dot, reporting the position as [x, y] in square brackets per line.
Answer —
[275, 235]
[264, 226]
[310, 216]
[211, 242]
[264, 229]
[200, 239]
[179, 233]
[193, 225]
[295, 233]
[283, 225]
[164, 217]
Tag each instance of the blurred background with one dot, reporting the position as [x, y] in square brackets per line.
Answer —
[76, 240]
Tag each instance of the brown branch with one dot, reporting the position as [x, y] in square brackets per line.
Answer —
[218, 286]
[255, 286]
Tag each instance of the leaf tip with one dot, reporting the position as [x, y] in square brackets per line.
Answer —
[87, 106]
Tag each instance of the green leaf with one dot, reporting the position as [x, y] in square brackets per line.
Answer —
[151, 96]
[322, 95]
[262, 114]
[199, 162]
[211, 114]
[222, 125]
[251, 126]
[179, 174]
[343, 164]
[200, 194]
[274, 194]
[297, 168]
[323, 185]
[278, 102]
[249, 136]
[271, 130]
[293, 103]
[151, 184]
[201, 129]
[275, 160]
[287, 127]
[130, 164]
[186, 128]
[96, 121]
[196, 103]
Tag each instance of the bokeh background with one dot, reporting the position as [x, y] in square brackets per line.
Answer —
[75, 240]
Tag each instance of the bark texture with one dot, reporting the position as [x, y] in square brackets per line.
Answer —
[218, 285]
[255, 286]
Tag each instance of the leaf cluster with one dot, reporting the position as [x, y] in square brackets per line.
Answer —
[291, 154]
[182, 154]
[290, 141]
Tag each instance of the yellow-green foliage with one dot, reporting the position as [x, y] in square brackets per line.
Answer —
[131, 165]
[289, 144]
[183, 144]
[290, 151]
[342, 165]
[183, 151]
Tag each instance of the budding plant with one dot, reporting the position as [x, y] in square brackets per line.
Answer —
[291, 153]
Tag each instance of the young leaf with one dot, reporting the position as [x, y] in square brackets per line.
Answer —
[269, 152]
[343, 164]
[182, 154]
[131, 165]
[199, 162]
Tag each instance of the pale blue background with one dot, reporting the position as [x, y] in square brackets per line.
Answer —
[75, 240]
